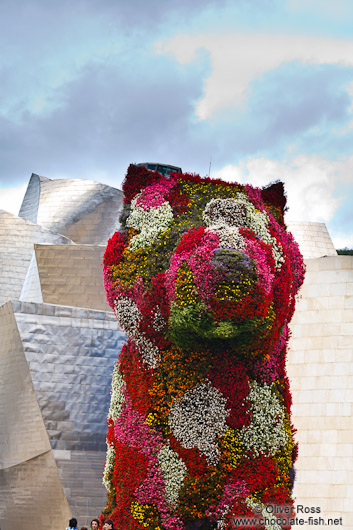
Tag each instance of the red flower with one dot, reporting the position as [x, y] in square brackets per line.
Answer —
[258, 473]
[231, 379]
[138, 379]
[178, 200]
[129, 471]
[194, 460]
[137, 178]
[116, 246]
[191, 239]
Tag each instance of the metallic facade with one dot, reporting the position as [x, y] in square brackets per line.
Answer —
[82, 210]
[27, 467]
[59, 345]
[56, 363]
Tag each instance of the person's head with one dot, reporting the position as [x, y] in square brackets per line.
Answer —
[94, 524]
[108, 525]
[84, 528]
[73, 523]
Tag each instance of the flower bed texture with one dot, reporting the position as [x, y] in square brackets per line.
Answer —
[202, 277]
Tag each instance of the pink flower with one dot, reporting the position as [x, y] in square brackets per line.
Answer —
[154, 195]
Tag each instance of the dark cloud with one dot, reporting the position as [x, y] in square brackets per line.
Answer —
[109, 116]
[305, 106]
[38, 20]
[297, 97]
[107, 109]
[39, 17]
[143, 110]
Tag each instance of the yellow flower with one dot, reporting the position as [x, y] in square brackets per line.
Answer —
[185, 289]
[137, 511]
[233, 450]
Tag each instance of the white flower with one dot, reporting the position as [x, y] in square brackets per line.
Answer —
[226, 212]
[158, 322]
[258, 222]
[109, 467]
[117, 394]
[198, 418]
[229, 236]
[117, 398]
[266, 433]
[150, 224]
[240, 212]
[173, 471]
[129, 317]
[148, 351]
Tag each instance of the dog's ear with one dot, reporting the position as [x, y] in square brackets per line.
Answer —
[275, 200]
[137, 178]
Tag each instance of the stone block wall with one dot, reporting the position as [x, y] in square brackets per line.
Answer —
[313, 239]
[320, 366]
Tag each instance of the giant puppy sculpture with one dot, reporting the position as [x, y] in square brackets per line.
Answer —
[202, 278]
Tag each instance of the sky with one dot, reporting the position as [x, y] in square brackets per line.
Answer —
[246, 90]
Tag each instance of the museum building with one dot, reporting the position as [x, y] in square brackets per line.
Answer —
[60, 341]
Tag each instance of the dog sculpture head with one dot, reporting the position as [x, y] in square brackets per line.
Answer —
[201, 264]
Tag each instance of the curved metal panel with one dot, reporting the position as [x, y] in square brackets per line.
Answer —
[31, 493]
[30, 203]
[71, 353]
[22, 434]
[81, 475]
[31, 289]
[83, 210]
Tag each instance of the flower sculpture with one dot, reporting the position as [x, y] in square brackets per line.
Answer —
[202, 277]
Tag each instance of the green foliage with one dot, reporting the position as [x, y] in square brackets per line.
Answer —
[345, 251]
[194, 325]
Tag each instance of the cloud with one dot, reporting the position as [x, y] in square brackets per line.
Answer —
[338, 9]
[108, 118]
[342, 240]
[239, 58]
[11, 198]
[143, 111]
[302, 108]
[297, 96]
[315, 187]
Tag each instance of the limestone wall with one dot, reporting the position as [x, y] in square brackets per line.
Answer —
[321, 370]
[313, 239]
